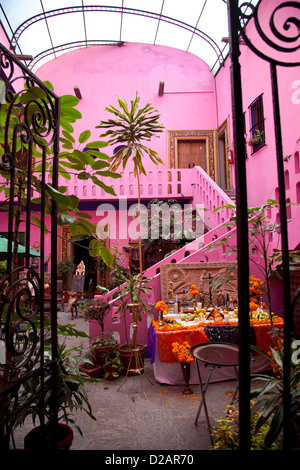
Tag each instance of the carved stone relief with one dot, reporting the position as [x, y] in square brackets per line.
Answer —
[183, 275]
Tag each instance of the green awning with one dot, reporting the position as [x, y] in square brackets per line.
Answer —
[21, 248]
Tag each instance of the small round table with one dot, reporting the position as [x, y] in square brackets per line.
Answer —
[214, 355]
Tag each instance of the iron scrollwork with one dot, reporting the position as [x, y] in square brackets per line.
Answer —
[30, 131]
[281, 35]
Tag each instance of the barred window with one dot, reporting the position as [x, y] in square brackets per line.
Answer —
[257, 131]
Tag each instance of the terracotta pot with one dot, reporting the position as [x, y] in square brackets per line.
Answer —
[127, 356]
[93, 370]
[36, 439]
[99, 353]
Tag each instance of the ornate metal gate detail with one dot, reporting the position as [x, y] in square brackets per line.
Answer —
[29, 146]
[280, 43]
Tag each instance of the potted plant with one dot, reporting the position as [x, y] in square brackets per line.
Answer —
[112, 364]
[268, 391]
[225, 433]
[103, 346]
[96, 310]
[65, 268]
[132, 126]
[89, 367]
[129, 128]
[71, 397]
[133, 295]
[257, 138]
[261, 232]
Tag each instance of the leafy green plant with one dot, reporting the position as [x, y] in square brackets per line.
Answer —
[268, 395]
[131, 126]
[262, 231]
[26, 106]
[112, 363]
[71, 396]
[257, 138]
[96, 310]
[3, 268]
[65, 267]
[133, 290]
[225, 434]
[104, 340]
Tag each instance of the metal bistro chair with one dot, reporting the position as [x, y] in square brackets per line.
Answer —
[214, 355]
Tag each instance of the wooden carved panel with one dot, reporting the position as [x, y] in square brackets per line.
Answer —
[183, 275]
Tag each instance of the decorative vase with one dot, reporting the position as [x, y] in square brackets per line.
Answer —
[186, 372]
[41, 437]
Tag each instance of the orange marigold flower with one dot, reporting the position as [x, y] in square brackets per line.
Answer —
[194, 290]
[161, 306]
[182, 351]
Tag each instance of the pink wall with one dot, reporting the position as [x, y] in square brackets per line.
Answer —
[255, 73]
[105, 72]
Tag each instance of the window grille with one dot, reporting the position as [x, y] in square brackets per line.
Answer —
[257, 131]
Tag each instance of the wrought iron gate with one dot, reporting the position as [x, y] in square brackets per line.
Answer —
[279, 50]
[29, 146]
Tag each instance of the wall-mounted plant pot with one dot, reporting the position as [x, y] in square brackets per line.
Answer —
[93, 370]
[41, 438]
[128, 359]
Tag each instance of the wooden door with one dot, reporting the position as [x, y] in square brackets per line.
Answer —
[191, 153]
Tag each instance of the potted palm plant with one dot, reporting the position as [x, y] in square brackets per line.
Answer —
[133, 295]
[129, 128]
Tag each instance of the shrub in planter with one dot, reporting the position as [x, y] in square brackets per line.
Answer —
[226, 433]
[71, 397]
[103, 346]
[112, 364]
[96, 310]
[42, 437]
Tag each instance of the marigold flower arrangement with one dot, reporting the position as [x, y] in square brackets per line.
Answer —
[182, 351]
[194, 290]
[162, 307]
[255, 286]
[255, 292]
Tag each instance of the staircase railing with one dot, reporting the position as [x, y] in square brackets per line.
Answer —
[205, 193]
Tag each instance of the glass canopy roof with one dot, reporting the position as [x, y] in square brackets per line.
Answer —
[45, 29]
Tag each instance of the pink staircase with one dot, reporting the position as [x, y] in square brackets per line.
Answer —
[203, 191]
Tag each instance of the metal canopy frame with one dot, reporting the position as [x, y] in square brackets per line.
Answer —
[218, 50]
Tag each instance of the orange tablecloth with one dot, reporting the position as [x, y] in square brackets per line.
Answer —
[166, 338]
[263, 334]
[197, 335]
